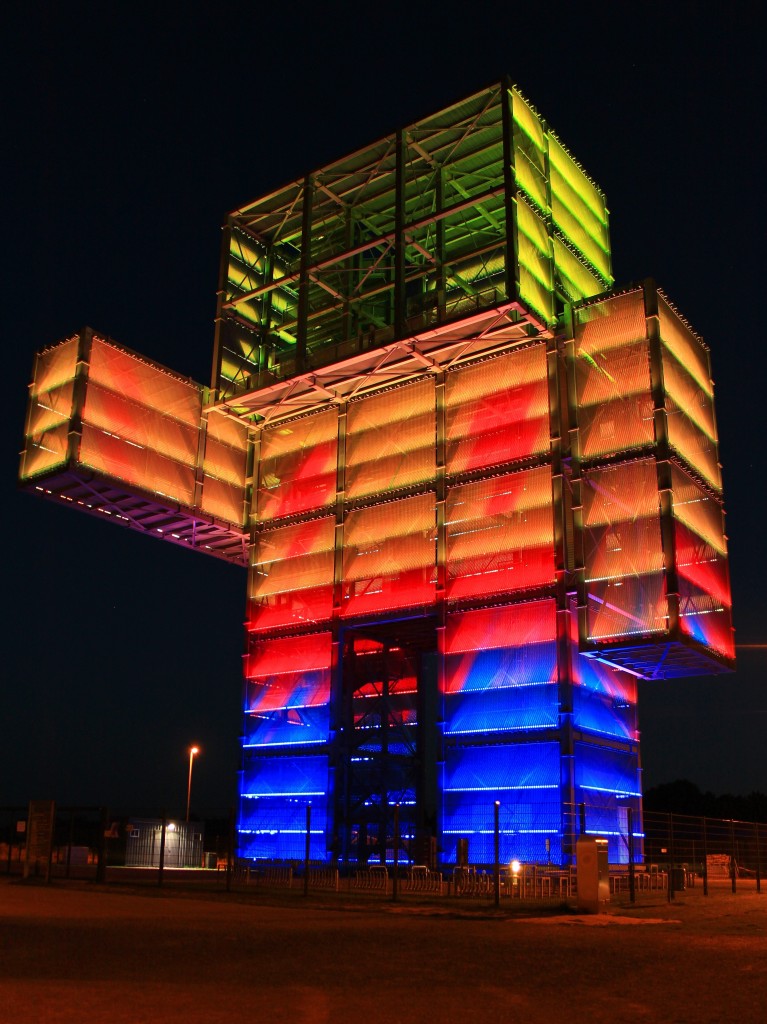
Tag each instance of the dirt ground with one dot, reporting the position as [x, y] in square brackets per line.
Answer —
[77, 952]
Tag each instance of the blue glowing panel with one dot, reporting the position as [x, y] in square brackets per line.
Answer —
[274, 828]
[599, 769]
[514, 708]
[285, 776]
[600, 713]
[483, 670]
[288, 726]
[502, 767]
[526, 821]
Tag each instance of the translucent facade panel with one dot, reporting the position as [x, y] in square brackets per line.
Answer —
[698, 510]
[223, 500]
[224, 462]
[703, 617]
[515, 625]
[390, 440]
[291, 576]
[274, 828]
[536, 269]
[615, 407]
[295, 654]
[602, 714]
[44, 451]
[138, 381]
[611, 323]
[496, 768]
[575, 278]
[287, 727]
[626, 607]
[389, 555]
[143, 468]
[623, 553]
[697, 449]
[228, 430]
[607, 770]
[49, 409]
[578, 205]
[140, 425]
[497, 410]
[297, 466]
[502, 709]
[590, 674]
[685, 347]
[528, 819]
[55, 366]
[492, 648]
[286, 776]
[500, 534]
[623, 493]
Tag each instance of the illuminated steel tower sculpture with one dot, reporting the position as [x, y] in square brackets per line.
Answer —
[475, 487]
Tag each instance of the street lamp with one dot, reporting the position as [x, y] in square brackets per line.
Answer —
[192, 752]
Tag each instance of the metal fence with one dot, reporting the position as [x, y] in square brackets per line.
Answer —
[667, 854]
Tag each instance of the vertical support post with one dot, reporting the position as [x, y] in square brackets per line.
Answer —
[733, 862]
[229, 850]
[400, 297]
[395, 876]
[758, 859]
[304, 282]
[705, 859]
[101, 866]
[162, 848]
[511, 247]
[630, 826]
[582, 818]
[71, 839]
[497, 854]
[307, 847]
[670, 889]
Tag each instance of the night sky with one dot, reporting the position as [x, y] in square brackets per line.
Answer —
[128, 137]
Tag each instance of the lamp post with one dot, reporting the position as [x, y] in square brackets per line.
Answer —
[192, 752]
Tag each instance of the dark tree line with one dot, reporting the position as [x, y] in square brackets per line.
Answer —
[684, 797]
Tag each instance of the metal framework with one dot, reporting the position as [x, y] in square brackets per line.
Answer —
[477, 492]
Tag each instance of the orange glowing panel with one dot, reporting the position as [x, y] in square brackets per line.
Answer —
[139, 381]
[139, 467]
[497, 410]
[390, 440]
[500, 534]
[389, 555]
[140, 425]
[297, 467]
[55, 366]
[291, 577]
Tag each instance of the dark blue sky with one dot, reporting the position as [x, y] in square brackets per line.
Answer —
[128, 135]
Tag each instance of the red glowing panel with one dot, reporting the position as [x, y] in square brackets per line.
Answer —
[497, 410]
[496, 573]
[290, 654]
[700, 563]
[505, 626]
